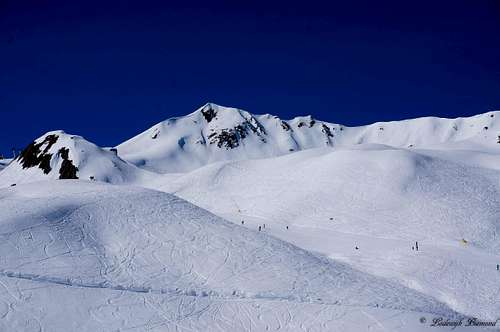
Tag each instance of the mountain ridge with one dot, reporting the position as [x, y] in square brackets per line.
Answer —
[214, 133]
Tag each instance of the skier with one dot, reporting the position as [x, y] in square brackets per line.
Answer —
[264, 226]
[357, 248]
[242, 222]
[498, 267]
[416, 245]
[286, 227]
[259, 228]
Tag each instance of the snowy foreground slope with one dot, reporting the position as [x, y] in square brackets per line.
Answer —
[215, 133]
[94, 257]
[378, 198]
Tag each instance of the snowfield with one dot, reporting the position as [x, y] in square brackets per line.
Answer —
[227, 221]
[153, 251]
[380, 199]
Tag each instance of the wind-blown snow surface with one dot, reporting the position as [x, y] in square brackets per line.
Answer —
[378, 198]
[86, 256]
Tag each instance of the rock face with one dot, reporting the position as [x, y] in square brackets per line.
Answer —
[67, 170]
[33, 156]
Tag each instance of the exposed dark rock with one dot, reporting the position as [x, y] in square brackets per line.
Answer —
[202, 139]
[485, 128]
[326, 130]
[64, 153]
[208, 113]
[45, 163]
[230, 138]
[301, 124]
[255, 126]
[50, 140]
[68, 170]
[285, 126]
[311, 123]
[31, 156]
[156, 132]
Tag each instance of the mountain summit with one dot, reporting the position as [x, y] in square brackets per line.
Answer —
[214, 133]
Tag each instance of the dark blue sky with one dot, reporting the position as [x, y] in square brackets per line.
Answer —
[109, 71]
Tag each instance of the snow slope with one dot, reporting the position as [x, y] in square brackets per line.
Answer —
[216, 133]
[379, 198]
[4, 163]
[87, 256]
[58, 155]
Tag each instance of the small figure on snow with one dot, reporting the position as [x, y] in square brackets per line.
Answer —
[286, 227]
[416, 245]
[243, 222]
[260, 228]
[356, 247]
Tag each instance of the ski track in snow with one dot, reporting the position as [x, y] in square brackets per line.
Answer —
[134, 242]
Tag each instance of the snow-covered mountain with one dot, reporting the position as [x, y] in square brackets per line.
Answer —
[254, 223]
[216, 133]
[57, 155]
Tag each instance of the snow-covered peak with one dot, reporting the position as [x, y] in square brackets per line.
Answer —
[213, 133]
[216, 133]
[58, 155]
